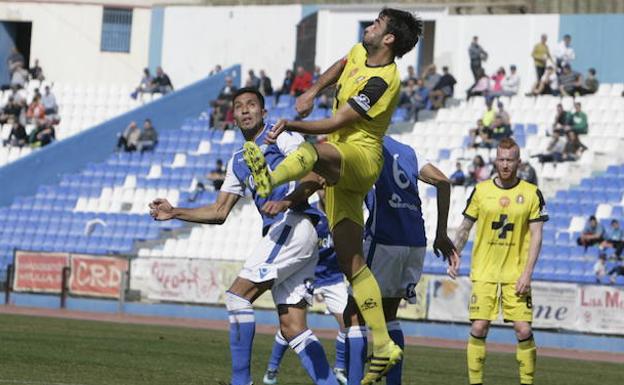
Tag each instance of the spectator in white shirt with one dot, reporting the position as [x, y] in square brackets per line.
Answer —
[564, 53]
[511, 84]
[49, 102]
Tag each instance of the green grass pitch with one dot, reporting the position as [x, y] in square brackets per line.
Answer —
[48, 351]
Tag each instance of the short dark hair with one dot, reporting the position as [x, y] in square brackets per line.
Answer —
[249, 90]
[445, 69]
[567, 36]
[405, 27]
[592, 217]
[592, 71]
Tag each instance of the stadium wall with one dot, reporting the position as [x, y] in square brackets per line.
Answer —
[196, 39]
[66, 40]
[594, 38]
[96, 144]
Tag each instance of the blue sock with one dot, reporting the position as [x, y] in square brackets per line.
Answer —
[313, 359]
[279, 349]
[242, 331]
[356, 347]
[340, 350]
[396, 334]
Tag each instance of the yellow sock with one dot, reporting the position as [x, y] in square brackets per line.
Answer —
[526, 355]
[476, 359]
[368, 298]
[296, 165]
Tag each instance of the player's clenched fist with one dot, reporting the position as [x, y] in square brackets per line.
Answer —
[277, 129]
[161, 209]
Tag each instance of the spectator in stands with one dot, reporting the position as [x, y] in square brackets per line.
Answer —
[478, 171]
[527, 173]
[302, 82]
[145, 85]
[568, 80]
[600, 267]
[547, 85]
[554, 151]
[592, 233]
[431, 77]
[264, 85]
[222, 105]
[573, 149]
[317, 74]
[11, 109]
[443, 90]
[563, 120]
[579, 120]
[541, 55]
[289, 78]
[35, 72]
[496, 85]
[511, 84]
[43, 134]
[480, 87]
[18, 136]
[36, 110]
[148, 138]
[252, 80]
[19, 78]
[589, 85]
[411, 74]
[503, 114]
[458, 178]
[161, 83]
[49, 102]
[614, 239]
[564, 53]
[414, 97]
[215, 177]
[215, 70]
[500, 130]
[477, 55]
[129, 139]
[490, 114]
[15, 60]
[483, 139]
[615, 271]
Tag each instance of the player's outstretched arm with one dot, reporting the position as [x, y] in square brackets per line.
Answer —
[214, 214]
[305, 102]
[535, 245]
[442, 244]
[307, 186]
[344, 116]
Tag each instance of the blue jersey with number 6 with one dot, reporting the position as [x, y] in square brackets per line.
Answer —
[395, 216]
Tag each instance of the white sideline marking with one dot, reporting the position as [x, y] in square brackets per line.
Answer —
[2, 381]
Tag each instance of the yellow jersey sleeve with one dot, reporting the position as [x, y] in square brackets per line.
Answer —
[538, 208]
[472, 206]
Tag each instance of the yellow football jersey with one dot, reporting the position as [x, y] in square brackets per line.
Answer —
[371, 91]
[501, 247]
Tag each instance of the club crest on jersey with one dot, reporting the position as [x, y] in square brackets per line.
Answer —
[473, 299]
[504, 201]
[520, 199]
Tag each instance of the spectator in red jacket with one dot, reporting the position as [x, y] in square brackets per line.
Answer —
[302, 82]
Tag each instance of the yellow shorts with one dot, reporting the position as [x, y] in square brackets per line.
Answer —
[487, 297]
[359, 170]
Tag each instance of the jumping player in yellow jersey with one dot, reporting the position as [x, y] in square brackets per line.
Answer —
[510, 214]
[367, 94]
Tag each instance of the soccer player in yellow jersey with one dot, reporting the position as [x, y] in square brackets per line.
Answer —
[510, 214]
[367, 94]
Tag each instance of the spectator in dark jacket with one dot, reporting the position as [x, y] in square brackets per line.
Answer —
[592, 233]
[458, 178]
[443, 90]
[161, 83]
[287, 84]
[149, 137]
[18, 136]
[264, 86]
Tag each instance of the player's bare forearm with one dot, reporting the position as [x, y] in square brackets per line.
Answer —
[327, 78]
[462, 235]
[308, 185]
[344, 116]
[535, 246]
[214, 214]
[433, 176]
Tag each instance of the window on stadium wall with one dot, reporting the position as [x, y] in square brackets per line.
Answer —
[116, 29]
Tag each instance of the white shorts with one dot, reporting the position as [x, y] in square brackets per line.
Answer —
[335, 296]
[288, 254]
[396, 268]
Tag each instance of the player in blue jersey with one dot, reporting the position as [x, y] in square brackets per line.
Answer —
[395, 242]
[329, 282]
[284, 260]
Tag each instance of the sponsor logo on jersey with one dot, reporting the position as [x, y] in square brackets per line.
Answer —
[396, 202]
